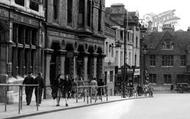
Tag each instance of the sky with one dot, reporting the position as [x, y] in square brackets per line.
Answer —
[182, 8]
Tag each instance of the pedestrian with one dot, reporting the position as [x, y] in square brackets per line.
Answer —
[57, 87]
[38, 90]
[28, 89]
[93, 84]
[66, 88]
[100, 88]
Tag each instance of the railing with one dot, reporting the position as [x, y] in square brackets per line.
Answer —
[91, 92]
[20, 86]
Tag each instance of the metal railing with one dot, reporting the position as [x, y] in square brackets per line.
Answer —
[20, 86]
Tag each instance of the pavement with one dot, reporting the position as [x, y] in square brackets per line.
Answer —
[49, 105]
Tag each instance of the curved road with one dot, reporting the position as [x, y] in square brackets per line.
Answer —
[163, 106]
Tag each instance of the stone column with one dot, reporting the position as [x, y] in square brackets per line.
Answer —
[74, 67]
[85, 67]
[95, 66]
[63, 53]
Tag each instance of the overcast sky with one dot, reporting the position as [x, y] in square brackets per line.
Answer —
[182, 8]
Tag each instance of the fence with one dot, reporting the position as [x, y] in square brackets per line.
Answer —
[20, 97]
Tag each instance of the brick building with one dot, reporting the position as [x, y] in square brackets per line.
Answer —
[167, 57]
[74, 39]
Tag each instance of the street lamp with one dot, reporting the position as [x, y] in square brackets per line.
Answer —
[125, 53]
[144, 63]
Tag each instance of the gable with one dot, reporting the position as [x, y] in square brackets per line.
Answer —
[168, 44]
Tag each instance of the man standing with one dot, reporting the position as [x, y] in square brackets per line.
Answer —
[40, 81]
[28, 89]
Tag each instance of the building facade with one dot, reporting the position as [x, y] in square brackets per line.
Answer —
[74, 39]
[116, 14]
[21, 42]
[167, 57]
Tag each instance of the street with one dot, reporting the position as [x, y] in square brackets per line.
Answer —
[161, 106]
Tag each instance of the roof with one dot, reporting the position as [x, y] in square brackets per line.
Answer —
[181, 38]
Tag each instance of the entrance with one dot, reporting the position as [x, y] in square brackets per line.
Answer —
[55, 62]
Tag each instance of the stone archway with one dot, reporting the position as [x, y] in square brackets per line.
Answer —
[55, 61]
[69, 62]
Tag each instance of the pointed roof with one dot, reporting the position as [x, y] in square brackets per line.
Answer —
[181, 38]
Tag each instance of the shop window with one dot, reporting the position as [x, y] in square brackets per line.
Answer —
[34, 5]
[19, 2]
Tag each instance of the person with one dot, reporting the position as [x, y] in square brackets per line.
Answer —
[100, 89]
[28, 89]
[94, 85]
[66, 88]
[57, 87]
[74, 88]
[40, 81]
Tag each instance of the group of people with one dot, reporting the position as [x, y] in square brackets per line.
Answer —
[62, 86]
[28, 80]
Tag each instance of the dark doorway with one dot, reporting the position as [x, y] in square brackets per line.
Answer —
[55, 62]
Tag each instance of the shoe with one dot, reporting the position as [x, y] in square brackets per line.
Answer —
[57, 105]
[66, 105]
[27, 104]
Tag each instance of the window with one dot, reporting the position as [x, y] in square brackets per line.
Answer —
[111, 76]
[152, 78]
[81, 13]
[167, 78]
[121, 35]
[152, 60]
[105, 76]
[99, 17]
[55, 9]
[23, 55]
[107, 48]
[112, 53]
[167, 45]
[20, 2]
[69, 11]
[88, 12]
[137, 42]
[167, 60]
[34, 5]
[183, 60]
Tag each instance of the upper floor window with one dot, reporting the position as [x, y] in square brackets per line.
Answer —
[100, 17]
[20, 2]
[69, 11]
[152, 60]
[183, 60]
[55, 9]
[167, 78]
[167, 45]
[167, 60]
[34, 5]
[89, 10]
[152, 78]
[81, 12]
[137, 41]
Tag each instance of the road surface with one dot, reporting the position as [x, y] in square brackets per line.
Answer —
[161, 106]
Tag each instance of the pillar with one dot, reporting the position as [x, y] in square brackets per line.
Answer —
[63, 65]
[74, 67]
[95, 66]
[85, 67]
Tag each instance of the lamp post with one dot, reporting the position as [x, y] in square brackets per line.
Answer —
[125, 53]
[144, 63]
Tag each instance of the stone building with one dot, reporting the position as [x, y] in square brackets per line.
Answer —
[21, 40]
[167, 57]
[74, 39]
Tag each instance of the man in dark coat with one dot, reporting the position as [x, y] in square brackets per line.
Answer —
[28, 89]
[40, 81]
